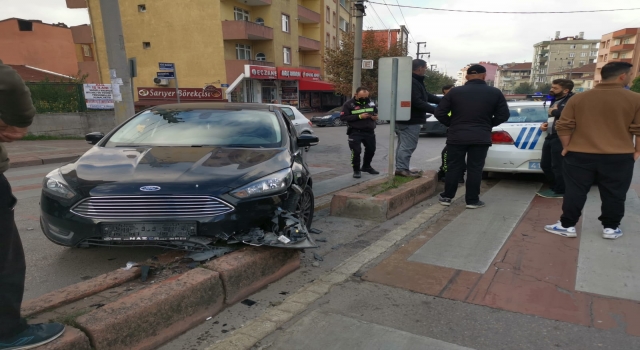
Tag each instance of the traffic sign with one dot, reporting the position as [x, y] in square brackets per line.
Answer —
[166, 66]
[166, 75]
[367, 64]
[224, 85]
[402, 95]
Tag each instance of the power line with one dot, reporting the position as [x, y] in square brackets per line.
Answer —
[392, 16]
[504, 12]
[376, 13]
[405, 21]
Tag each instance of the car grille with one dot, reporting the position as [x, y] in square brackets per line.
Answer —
[150, 207]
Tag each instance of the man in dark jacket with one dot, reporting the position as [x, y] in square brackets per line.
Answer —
[361, 114]
[475, 109]
[16, 114]
[551, 162]
[409, 131]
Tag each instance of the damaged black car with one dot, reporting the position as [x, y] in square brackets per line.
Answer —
[188, 176]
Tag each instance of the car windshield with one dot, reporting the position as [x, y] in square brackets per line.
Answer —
[335, 110]
[199, 127]
[527, 114]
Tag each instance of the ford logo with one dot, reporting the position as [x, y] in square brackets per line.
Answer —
[149, 188]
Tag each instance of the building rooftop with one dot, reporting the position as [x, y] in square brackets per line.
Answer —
[519, 66]
[587, 68]
[32, 74]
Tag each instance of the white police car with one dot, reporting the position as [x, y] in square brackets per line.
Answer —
[517, 144]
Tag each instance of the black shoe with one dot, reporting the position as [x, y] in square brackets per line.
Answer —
[444, 200]
[461, 181]
[35, 335]
[371, 171]
[479, 204]
[357, 174]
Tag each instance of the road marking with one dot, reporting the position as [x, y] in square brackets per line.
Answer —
[251, 333]
[320, 331]
[472, 240]
[610, 267]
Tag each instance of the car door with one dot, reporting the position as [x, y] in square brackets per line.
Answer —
[288, 112]
[299, 166]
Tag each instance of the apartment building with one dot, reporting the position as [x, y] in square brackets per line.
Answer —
[582, 77]
[511, 75]
[561, 53]
[492, 69]
[55, 48]
[621, 45]
[390, 37]
[267, 51]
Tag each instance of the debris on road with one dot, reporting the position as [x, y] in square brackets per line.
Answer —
[316, 231]
[130, 265]
[213, 252]
[248, 302]
[286, 230]
[321, 239]
[315, 264]
[318, 257]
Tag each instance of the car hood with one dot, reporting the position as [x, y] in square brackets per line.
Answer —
[175, 170]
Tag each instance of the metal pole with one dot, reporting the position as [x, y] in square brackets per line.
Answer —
[117, 57]
[175, 73]
[392, 119]
[357, 49]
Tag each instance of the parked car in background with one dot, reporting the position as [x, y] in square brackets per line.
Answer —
[332, 118]
[302, 124]
[517, 144]
[181, 175]
[433, 126]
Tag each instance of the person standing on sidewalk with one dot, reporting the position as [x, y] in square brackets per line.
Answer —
[597, 130]
[443, 156]
[16, 114]
[475, 109]
[361, 114]
[409, 131]
[551, 162]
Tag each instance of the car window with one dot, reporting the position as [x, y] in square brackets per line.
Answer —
[225, 128]
[527, 114]
[288, 112]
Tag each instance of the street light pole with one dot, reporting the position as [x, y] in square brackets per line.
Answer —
[357, 49]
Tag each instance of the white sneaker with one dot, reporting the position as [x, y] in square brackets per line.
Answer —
[561, 231]
[609, 233]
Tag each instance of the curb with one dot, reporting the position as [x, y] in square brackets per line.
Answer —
[71, 339]
[31, 161]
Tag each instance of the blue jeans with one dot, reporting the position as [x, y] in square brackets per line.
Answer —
[408, 136]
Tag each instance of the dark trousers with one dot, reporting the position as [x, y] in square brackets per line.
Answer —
[444, 166]
[356, 140]
[12, 265]
[551, 163]
[476, 155]
[612, 173]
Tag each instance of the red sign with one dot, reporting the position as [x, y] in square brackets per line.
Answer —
[261, 72]
[405, 103]
[285, 73]
[186, 94]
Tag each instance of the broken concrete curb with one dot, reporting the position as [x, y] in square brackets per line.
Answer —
[78, 291]
[154, 315]
[71, 339]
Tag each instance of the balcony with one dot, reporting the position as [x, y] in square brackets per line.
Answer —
[236, 67]
[622, 47]
[254, 2]
[307, 15]
[244, 30]
[627, 60]
[306, 44]
[619, 34]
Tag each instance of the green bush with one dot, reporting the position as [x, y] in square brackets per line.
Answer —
[51, 97]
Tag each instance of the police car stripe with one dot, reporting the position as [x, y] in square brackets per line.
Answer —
[535, 141]
[529, 134]
[519, 139]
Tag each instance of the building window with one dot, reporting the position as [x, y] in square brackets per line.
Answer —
[142, 8]
[86, 50]
[260, 21]
[335, 19]
[582, 63]
[572, 55]
[343, 3]
[594, 53]
[25, 26]
[608, 43]
[586, 46]
[261, 57]
[240, 14]
[328, 15]
[344, 25]
[614, 55]
[327, 41]
[243, 52]
[572, 46]
[627, 41]
[584, 54]
[285, 23]
[334, 42]
[286, 51]
[146, 45]
[616, 42]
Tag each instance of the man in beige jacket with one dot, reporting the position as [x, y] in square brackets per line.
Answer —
[597, 130]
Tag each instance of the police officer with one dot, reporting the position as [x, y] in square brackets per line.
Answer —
[361, 114]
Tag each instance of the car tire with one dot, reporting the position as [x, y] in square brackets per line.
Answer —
[337, 122]
[305, 206]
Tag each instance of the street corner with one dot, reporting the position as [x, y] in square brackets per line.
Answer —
[71, 339]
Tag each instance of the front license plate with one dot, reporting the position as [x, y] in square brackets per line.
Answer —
[534, 165]
[149, 231]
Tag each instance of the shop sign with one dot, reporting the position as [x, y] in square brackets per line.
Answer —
[285, 73]
[262, 72]
[186, 94]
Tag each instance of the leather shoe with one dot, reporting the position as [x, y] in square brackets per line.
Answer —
[371, 171]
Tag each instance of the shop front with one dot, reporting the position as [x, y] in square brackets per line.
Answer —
[153, 96]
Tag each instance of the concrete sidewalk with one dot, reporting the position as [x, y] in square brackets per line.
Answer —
[29, 153]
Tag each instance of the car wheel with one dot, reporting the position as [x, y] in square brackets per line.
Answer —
[305, 205]
[337, 122]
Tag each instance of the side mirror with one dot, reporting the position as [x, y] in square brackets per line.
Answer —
[93, 137]
[306, 140]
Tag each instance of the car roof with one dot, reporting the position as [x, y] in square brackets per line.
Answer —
[215, 105]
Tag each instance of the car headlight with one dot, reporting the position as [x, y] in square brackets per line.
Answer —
[326, 117]
[54, 184]
[274, 183]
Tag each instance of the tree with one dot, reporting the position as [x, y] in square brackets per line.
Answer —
[543, 88]
[434, 81]
[339, 62]
[635, 86]
[524, 88]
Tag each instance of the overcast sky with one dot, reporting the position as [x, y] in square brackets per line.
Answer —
[454, 39]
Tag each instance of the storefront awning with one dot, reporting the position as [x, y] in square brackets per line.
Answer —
[306, 85]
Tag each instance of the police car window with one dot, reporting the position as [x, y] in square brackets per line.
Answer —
[289, 113]
[527, 114]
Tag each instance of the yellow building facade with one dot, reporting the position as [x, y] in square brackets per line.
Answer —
[255, 50]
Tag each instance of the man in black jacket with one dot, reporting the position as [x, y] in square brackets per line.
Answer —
[409, 131]
[361, 114]
[475, 109]
[551, 162]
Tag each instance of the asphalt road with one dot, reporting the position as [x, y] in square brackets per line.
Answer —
[50, 266]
